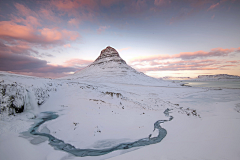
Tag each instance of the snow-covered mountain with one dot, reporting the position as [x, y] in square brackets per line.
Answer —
[218, 77]
[110, 67]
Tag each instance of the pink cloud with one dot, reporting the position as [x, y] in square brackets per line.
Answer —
[67, 45]
[11, 30]
[161, 2]
[78, 63]
[213, 6]
[25, 27]
[28, 21]
[109, 3]
[188, 65]
[124, 49]
[70, 35]
[24, 11]
[216, 52]
[184, 13]
[200, 54]
[48, 14]
[188, 61]
[51, 34]
[234, 61]
[73, 22]
[65, 5]
[195, 6]
[81, 9]
[102, 29]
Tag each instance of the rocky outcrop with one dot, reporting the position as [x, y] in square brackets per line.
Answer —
[12, 98]
[108, 54]
[17, 97]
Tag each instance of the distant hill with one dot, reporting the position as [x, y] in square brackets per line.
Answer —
[176, 78]
[218, 77]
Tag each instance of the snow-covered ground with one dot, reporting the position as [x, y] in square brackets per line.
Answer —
[98, 112]
[97, 116]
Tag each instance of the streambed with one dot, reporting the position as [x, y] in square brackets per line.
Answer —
[61, 145]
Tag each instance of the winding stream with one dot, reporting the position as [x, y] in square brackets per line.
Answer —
[61, 145]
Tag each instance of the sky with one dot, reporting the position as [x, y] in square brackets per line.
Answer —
[161, 38]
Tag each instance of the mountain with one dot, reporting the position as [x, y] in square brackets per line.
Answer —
[110, 67]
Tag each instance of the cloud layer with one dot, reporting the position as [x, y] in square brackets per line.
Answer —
[189, 61]
[24, 33]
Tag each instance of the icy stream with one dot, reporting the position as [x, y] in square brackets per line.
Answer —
[61, 145]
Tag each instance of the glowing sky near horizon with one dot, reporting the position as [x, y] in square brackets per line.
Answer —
[186, 38]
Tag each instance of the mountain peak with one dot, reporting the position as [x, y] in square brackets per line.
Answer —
[109, 50]
[108, 54]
